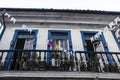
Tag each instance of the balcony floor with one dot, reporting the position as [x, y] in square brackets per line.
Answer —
[57, 75]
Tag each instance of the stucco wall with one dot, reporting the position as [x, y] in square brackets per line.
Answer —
[6, 38]
[74, 22]
[112, 45]
[42, 38]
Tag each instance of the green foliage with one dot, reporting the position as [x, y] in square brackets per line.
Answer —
[1, 64]
[35, 56]
[82, 66]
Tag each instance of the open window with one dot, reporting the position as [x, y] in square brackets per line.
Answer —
[24, 41]
[92, 46]
[98, 46]
[27, 39]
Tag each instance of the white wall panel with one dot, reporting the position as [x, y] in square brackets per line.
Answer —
[42, 39]
[112, 45]
[6, 38]
[76, 40]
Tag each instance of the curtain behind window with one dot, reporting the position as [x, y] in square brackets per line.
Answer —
[61, 39]
[28, 44]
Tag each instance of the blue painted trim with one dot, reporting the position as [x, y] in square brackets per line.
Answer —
[35, 37]
[103, 42]
[3, 23]
[106, 48]
[62, 31]
[83, 40]
[48, 47]
[9, 56]
[2, 32]
[49, 37]
[115, 37]
[70, 40]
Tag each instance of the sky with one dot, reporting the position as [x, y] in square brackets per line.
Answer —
[106, 5]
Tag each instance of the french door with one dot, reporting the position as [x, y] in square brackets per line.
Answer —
[22, 40]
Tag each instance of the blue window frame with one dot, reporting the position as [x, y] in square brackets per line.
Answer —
[58, 32]
[16, 34]
[115, 37]
[2, 29]
[2, 26]
[61, 32]
[101, 38]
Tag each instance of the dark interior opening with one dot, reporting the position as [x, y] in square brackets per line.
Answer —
[19, 45]
[89, 45]
[90, 48]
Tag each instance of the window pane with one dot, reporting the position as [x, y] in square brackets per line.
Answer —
[60, 39]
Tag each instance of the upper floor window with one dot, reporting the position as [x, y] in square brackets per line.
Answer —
[59, 40]
[25, 41]
[92, 46]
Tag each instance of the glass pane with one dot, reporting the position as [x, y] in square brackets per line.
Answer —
[60, 39]
[57, 35]
[28, 44]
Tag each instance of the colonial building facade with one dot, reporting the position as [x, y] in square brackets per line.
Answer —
[59, 44]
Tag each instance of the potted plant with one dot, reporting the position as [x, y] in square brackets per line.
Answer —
[20, 65]
[96, 63]
[35, 58]
[71, 62]
[24, 65]
[53, 59]
[113, 68]
[116, 67]
[106, 68]
[119, 69]
[59, 63]
[82, 66]
[35, 61]
[1, 66]
[89, 63]
[55, 62]
[66, 64]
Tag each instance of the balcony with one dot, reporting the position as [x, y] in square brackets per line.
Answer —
[60, 62]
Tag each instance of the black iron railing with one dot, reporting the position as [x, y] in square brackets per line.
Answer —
[97, 61]
[52, 60]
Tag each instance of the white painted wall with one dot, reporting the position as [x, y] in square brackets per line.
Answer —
[112, 45]
[76, 40]
[6, 38]
[43, 38]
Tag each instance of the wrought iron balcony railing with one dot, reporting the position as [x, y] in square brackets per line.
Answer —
[51, 60]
